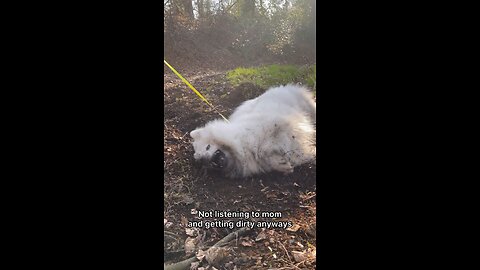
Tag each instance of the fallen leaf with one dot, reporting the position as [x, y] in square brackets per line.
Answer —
[215, 255]
[190, 231]
[271, 195]
[247, 243]
[184, 221]
[311, 230]
[299, 256]
[261, 236]
[200, 255]
[294, 228]
[190, 245]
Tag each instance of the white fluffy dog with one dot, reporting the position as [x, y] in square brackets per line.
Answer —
[273, 132]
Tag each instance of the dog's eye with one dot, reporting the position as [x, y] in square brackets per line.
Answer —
[208, 147]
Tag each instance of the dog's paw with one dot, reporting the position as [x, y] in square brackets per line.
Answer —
[281, 164]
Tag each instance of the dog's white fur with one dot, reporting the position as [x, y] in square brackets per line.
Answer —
[275, 131]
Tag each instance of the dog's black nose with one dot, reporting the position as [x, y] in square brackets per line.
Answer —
[218, 160]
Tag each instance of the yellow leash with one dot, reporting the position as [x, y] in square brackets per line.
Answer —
[194, 90]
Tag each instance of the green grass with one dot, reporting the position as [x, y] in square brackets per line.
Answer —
[274, 75]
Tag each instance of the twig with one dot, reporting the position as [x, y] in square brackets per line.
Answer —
[231, 6]
[181, 138]
[230, 237]
[309, 197]
[172, 237]
[170, 233]
[285, 251]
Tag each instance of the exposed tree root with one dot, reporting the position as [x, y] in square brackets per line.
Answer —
[185, 264]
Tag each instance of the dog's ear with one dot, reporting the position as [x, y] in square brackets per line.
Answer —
[195, 134]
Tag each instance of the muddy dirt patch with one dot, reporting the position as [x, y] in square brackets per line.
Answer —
[189, 189]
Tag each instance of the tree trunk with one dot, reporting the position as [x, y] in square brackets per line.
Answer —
[248, 8]
[188, 9]
[261, 8]
[207, 8]
[201, 10]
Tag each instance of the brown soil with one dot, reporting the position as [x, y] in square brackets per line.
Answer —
[189, 189]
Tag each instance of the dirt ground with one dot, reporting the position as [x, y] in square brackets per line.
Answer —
[188, 189]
